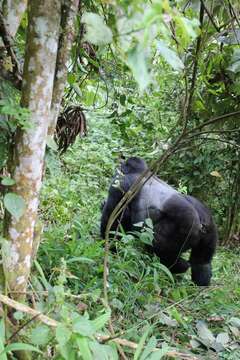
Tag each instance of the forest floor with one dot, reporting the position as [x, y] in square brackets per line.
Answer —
[144, 298]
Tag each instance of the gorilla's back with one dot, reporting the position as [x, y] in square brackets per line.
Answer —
[150, 200]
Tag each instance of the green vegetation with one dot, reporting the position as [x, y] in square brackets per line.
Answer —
[141, 293]
[143, 79]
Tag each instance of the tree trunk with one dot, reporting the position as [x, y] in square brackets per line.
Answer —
[12, 12]
[69, 11]
[29, 148]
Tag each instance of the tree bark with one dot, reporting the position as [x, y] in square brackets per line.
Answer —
[69, 11]
[29, 148]
[13, 11]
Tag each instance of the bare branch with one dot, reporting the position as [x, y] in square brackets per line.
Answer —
[210, 16]
[213, 121]
[26, 309]
[190, 94]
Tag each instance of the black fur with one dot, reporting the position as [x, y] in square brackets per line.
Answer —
[181, 222]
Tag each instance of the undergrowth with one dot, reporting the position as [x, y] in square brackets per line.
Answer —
[148, 306]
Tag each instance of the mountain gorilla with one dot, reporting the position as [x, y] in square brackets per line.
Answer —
[180, 222]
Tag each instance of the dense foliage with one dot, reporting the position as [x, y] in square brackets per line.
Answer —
[144, 78]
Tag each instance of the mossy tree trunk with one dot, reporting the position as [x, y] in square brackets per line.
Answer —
[49, 39]
[28, 155]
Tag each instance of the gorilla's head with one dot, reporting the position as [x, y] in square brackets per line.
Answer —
[133, 165]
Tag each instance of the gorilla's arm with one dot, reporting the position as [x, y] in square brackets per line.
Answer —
[114, 196]
[118, 188]
[130, 170]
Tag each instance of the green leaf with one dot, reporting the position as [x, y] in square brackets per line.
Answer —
[2, 330]
[186, 29]
[3, 355]
[177, 316]
[77, 89]
[80, 259]
[141, 343]
[157, 355]
[14, 204]
[40, 335]
[153, 14]
[89, 97]
[170, 56]
[18, 315]
[83, 344]
[234, 67]
[103, 352]
[137, 62]
[97, 32]
[71, 78]
[122, 99]
[67, 351]
[191, 26]
[149, 223]
[2, 340]
[235, 62]
[83, 326]
[21, 346]
[166, 272]
[7, 181]
[146, 238]
[99, 322]
[152, 343]
[41, 273]
[63, 334]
